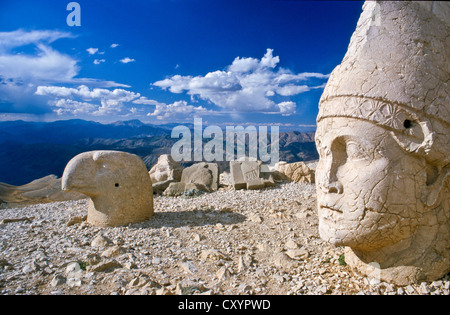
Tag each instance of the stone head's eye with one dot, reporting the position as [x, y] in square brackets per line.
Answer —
[355, 151]
[116, 184]
[324, 152]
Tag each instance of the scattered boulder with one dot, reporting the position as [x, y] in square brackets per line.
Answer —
[166, 168]
[73, 273]
[100, 241]
[223, 273]
[118, 184]
[198, 177]
[298, 253]
[106, 265]
[188, 267]
[204, 174]
[298, 172]
[179, 189]
[175, 189]
[250, 175]
[5, 221]
[164, 172]
[42, 190]
[112, 251]
[76, 220]
[57, 280]
[160, 187]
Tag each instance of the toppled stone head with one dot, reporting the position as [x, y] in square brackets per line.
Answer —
[383, 135]
[205, 175]
[166, 169]
[118, 184]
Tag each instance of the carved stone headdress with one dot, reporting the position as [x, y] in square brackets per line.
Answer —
[396, 74]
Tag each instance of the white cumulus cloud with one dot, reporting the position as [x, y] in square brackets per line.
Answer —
[287, 108]
[107, 101]
[127, 60]
[92, 51]
[99, 61]
[68, 106]
[179, 108]
[145, 101]
[22, 71]
[85, 93]
[247, 85]
[21, 37]
[47, 64]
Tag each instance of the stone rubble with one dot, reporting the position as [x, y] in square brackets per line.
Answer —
[210, 244]
[199, 177]
[247, 174]
[165, 172]
[298, 172]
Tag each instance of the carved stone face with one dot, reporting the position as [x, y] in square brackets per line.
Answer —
[368, 188]
[383, 187]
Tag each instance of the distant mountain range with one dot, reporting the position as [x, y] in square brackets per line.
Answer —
[32, 150]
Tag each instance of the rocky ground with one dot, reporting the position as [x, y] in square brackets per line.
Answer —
[227, 242]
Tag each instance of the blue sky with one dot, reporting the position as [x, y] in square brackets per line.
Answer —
[226, 61]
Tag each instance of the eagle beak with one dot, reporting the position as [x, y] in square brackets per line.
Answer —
[68, 178]
[78, 174]
[71, 182]
[65, 185]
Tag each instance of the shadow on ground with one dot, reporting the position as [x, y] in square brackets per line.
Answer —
[176, 219]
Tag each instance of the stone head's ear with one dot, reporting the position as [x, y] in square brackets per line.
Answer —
[417, 138]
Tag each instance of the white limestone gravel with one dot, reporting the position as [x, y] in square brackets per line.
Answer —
[226, 242]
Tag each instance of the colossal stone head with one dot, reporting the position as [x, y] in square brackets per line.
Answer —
[118, 184]
[383, 135]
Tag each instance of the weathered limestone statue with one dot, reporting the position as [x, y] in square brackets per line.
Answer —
[383, 135]
[298, 172]
[200, 176]
[118, 184]
[204, 174]
[250, 174]
[165, 169]
[164, 172]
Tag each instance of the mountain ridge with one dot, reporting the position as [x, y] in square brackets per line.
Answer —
[32, 150]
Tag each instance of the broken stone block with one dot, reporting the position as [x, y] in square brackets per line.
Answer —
[204, 174]
[179, 189]
[250, 175]
[198, 177]
[164, 172]
[298, 172]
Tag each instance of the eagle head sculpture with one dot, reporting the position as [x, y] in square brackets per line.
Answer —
[118, 184]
